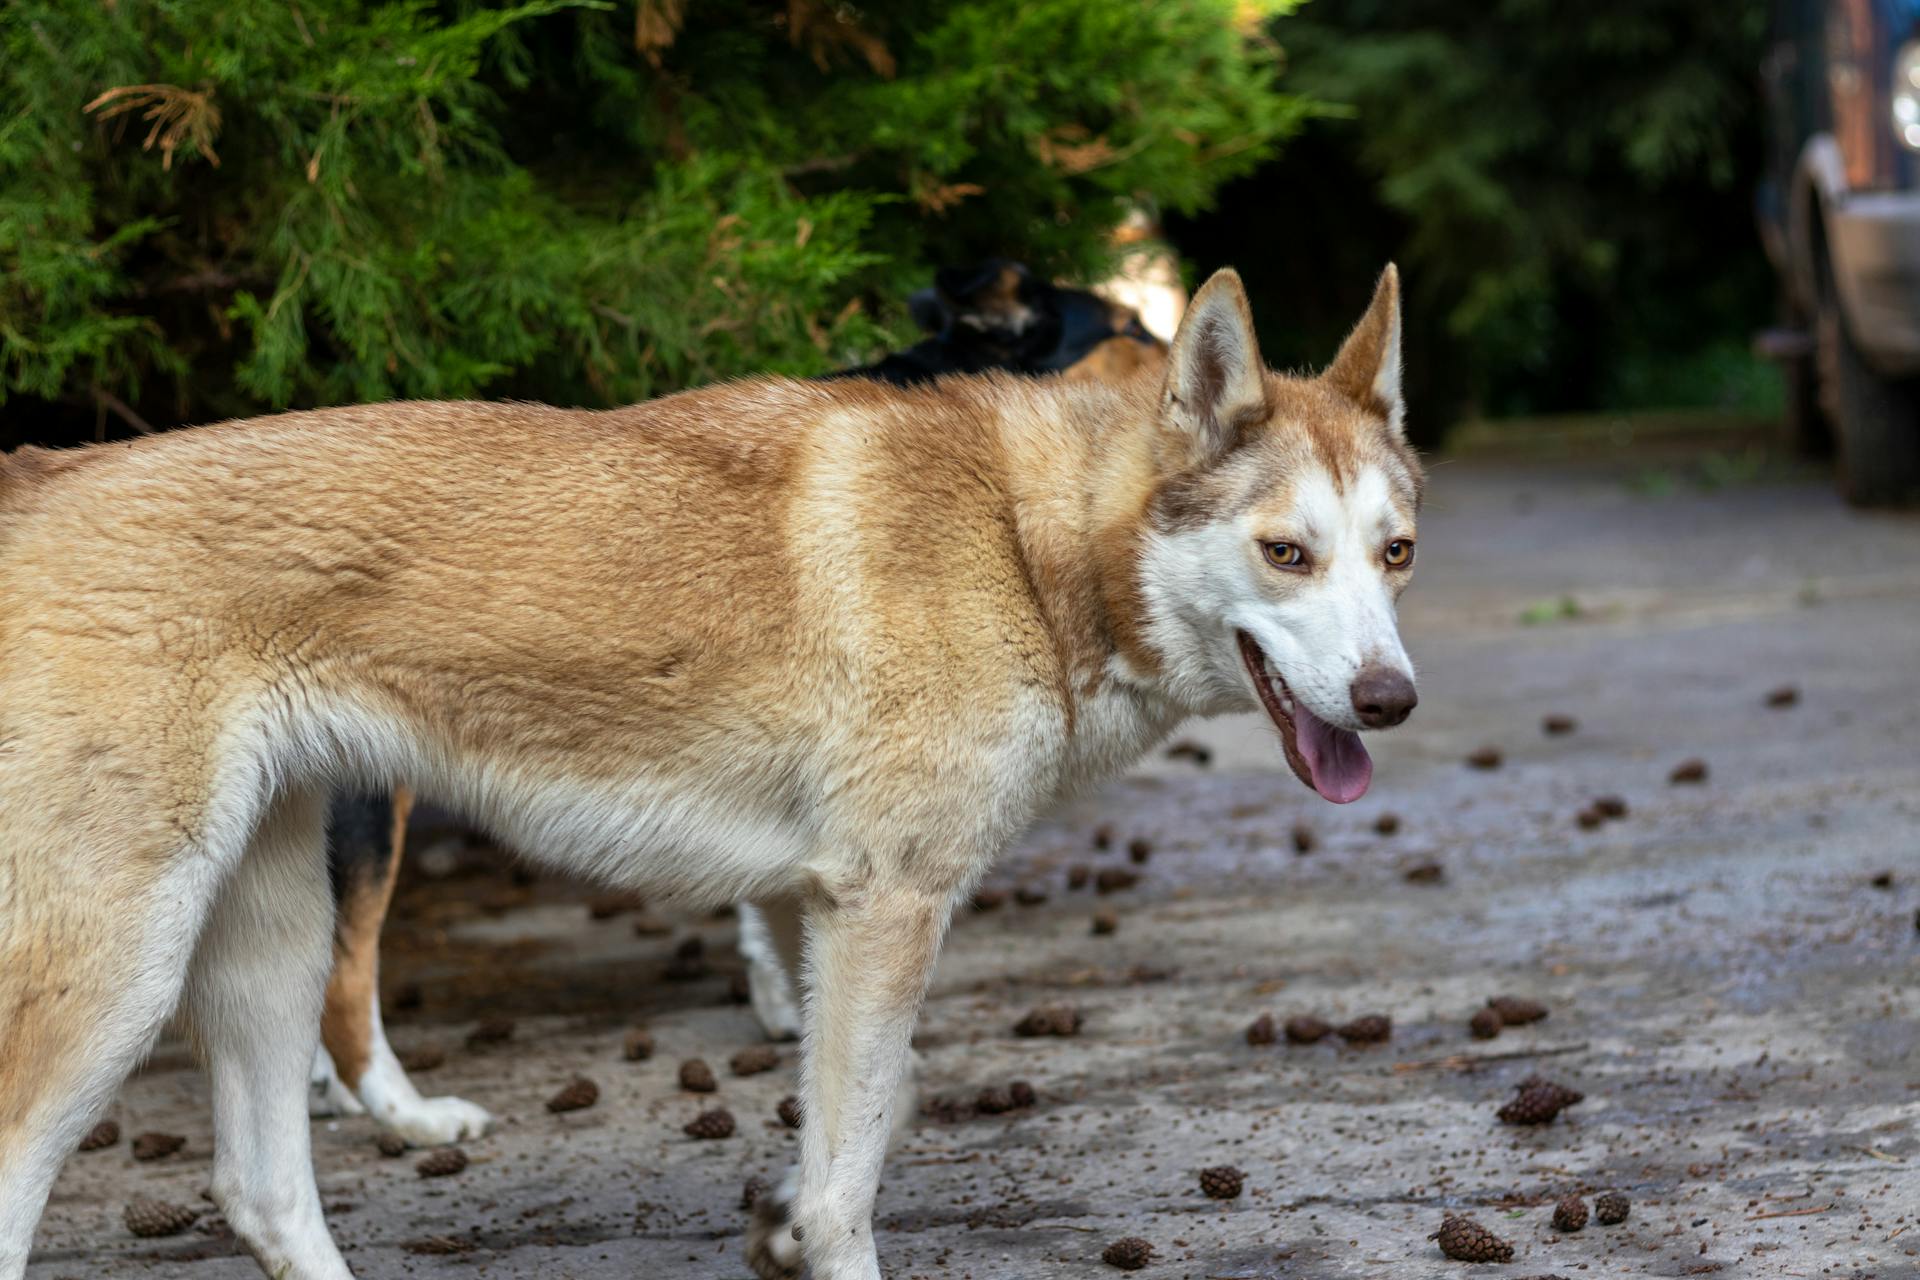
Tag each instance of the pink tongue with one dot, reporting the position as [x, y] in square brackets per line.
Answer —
[1340, 765]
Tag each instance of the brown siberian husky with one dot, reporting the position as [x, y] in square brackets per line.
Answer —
[833, 643]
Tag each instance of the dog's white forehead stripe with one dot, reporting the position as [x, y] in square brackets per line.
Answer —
[1365, 508]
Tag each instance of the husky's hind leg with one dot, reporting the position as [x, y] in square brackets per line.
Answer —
[253, 1007]
[91, 965]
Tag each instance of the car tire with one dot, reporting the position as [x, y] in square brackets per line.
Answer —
[1876, 419]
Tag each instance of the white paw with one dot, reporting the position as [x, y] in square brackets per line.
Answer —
[434, 1122]
[326, 1096]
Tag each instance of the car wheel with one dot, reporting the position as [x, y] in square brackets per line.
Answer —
[1876, 419]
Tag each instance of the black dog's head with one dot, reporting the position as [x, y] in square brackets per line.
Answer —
[997, 315]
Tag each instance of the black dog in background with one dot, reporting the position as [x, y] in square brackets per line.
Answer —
[996, 315]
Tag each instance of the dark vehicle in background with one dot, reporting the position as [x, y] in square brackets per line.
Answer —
[1840, 214]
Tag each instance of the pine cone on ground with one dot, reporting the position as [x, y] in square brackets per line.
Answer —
[1386, 824]
[1485, 758]
[754, 1059]
[993, 1101]
[1485, 1024]
[103, 1135]
[1307, 1029]
[157, 1146]
[750, 1194]
[1022, 1094]
[391, 1145]
[443, 1163]
[1030, 895]
[697, 1077]
[717, 1123]
[789, 1111]
[1114, 879]
[1079, 875]
[1610, 806]
[1515, 1011]
[987, 899]
[689, 961]
[150, 1218]
[1465, 1240]
[490, 1031]
[1260, 1030]
[1372, 1028]
[1105, 922]
[1610, 1209]
[638, 1046]
[1687, 772]
[1138, 851]
[1538, 1102]
[421, 1058]
[1570, 1214]
[1556, 725]
[1222, 1182]
[1129, 1253]
[578, 1095]
[1050, 1020]
[1304, 840]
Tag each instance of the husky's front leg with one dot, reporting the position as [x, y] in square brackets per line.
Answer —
[870, 954]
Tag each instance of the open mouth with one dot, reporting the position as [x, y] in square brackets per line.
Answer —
[1331, 761]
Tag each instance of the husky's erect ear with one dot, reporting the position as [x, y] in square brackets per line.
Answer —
[1367, 370]
[1215, 385]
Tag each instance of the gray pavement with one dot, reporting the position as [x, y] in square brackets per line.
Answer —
[1727, 983]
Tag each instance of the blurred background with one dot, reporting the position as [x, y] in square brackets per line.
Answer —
[210, 210]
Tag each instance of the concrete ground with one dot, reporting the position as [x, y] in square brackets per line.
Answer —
[1730, 971]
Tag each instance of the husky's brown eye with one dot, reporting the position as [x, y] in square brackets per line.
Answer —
[1399, 553]
[1284, 555]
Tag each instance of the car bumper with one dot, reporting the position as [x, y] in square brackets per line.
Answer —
[1875, 240]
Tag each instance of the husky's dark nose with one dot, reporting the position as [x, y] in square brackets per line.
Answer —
[1383, 696]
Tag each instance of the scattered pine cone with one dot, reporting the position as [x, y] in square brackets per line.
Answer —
[441, 1163]
[1516, 1011]
[1103, 837]
[1050, 1020]
[638, 1045]
[1570, 1215]
[1485, 1024]
[1785, 696]
[988, 899]
[689, 963]
[789, 1111]
[1260, 1030]
[150, 1218]
[1386, 824]
[993, 1101]
[1538, 1102]
[391, 1145]
[1139, 850]
[1304, 840]
[1372, 1028]
[1129, 1253]
[1610, 1208]
[1028, 895]
[1557, 725]
[490, 1031]
[1079, 875]
[1222, 1182]
[1881, 880]
[1105, 922]
[1688, 771]
[1022, 1094]
[1424, 873]
[697, 1077]
[1485, 758]
[1465, 1240]
[1610, 806]
[103, 1135]
[1114, 879]
[754, 1059]
[717, 1123]
[439, 1246]
[1589, 818]
[579, 1094]
[1307, 1029]
[751, 1193]
[157, 1146]
[423, 1058]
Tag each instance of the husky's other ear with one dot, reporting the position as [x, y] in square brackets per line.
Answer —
[1215, 385]
[1367, 370]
